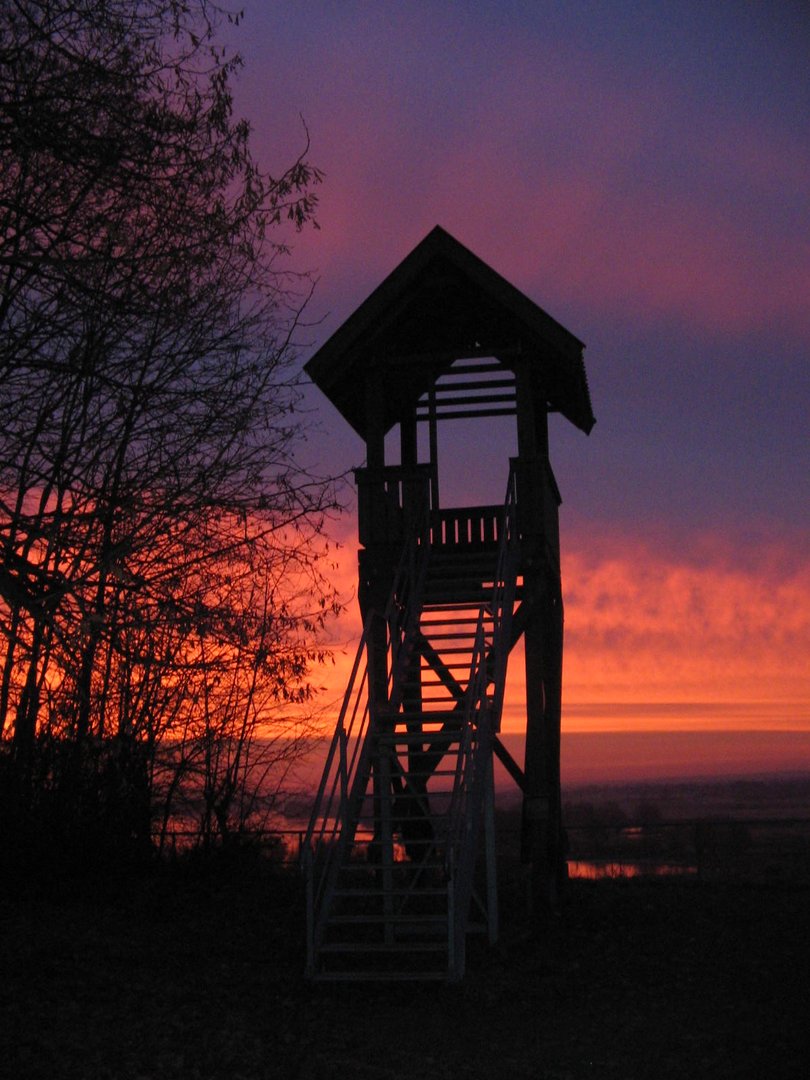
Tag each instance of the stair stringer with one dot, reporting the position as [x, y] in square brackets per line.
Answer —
[479, 712]
[474, 794]
[347, 771]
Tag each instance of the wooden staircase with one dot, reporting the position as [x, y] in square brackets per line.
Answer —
[393, 843]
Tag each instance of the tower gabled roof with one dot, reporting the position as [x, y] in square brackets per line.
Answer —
[443, 303]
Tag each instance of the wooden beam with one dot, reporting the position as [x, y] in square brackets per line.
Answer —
[449, 397]
[467, 414]
[433, 441]
[509, 763]
[438, 666]
[408, 453]
[473, 384]
[462, 361]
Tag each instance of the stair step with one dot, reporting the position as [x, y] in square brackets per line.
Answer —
[472, 622]
[431, 687]
[456, 575]
[454, 650]
[459, 560]
[433, 699]
[483, 571]
[409, 738]
[459, 557]
[470, 572]
[468, 565]
[449, 597]
[396, 948]
[459, 587]
[441, 601]
[429, 775]
[432, 696]
[433, 716]
[462, 577]
[374, 892]
[380, 976]
[416, 713]
[451, 645]
[400, 869]
[464, 617]
[389, 919]
[462, 628]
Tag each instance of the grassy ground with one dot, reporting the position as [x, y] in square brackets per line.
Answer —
[196, 973]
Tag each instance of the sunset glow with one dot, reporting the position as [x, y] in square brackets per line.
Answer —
[642, 177]
[655, 642]
[662, 640]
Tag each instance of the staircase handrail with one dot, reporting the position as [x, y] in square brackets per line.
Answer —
[488, 664]
[333, 820]
[482, 713]
[400, 612]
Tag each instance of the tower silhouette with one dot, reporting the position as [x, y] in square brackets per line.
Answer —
[400, 850]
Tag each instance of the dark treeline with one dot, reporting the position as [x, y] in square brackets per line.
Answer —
[160, 589]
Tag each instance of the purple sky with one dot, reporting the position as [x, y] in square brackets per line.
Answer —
[642, 172]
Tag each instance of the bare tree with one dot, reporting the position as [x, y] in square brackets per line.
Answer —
[148, 484]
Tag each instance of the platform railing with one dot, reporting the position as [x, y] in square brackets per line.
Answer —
[466, 527]
[391, 501]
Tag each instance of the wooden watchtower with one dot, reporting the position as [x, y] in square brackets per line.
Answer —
[404, 812]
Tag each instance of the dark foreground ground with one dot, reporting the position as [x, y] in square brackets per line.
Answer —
[195, 973]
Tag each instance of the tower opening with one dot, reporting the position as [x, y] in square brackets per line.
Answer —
[467, 430]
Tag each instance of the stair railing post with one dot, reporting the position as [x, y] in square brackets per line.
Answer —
[453, 972]
[344, 780]
[309, 874]
[489, 854]
[387, 843]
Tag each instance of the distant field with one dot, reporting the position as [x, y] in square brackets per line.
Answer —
[744, 829]
[746, 797]
[635, 757]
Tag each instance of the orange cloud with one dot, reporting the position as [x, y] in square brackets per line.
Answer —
[655, 640]
[341, 636]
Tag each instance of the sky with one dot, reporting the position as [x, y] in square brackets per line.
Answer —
[642, 172]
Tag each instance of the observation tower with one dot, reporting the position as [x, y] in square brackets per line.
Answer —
[401, 847]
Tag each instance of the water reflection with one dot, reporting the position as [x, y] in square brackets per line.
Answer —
[611, 868]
